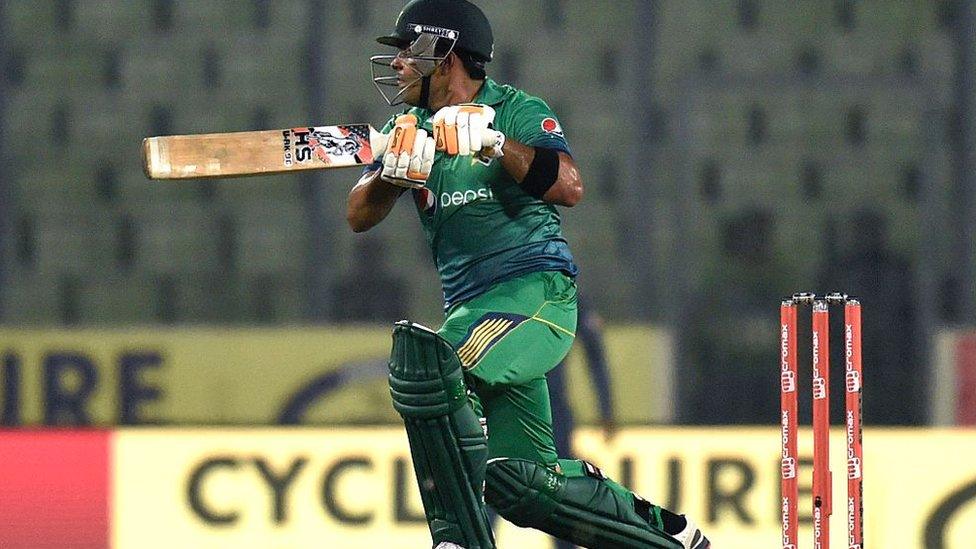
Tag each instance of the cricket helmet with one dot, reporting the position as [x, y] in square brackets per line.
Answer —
[474, 34]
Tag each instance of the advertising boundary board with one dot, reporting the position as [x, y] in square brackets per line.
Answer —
[297, 487]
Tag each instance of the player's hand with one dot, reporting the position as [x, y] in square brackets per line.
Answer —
[465, 130]
[409, 154]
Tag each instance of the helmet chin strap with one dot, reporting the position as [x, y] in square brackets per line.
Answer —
[425, 92]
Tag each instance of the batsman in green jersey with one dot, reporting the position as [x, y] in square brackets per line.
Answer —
[487, 164]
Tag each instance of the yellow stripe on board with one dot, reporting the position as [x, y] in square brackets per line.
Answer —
[148, 513]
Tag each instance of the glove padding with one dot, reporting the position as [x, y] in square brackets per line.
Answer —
[465, 130]
[409, 154]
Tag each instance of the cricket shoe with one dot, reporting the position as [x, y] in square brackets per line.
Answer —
[691, 537]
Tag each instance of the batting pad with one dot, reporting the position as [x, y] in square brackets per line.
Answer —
[583, 510]
[447, 443]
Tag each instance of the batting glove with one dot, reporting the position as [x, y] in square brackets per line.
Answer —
[409, 154]
[465, 130]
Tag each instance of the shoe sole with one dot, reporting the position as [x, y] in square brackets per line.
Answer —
[700, 541]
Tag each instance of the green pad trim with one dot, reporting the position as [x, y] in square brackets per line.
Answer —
[447, 443]
[582, 510]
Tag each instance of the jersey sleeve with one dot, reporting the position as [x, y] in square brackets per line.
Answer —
[534, 124]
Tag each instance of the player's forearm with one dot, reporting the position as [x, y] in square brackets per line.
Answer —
[568, 187]
[370, 201]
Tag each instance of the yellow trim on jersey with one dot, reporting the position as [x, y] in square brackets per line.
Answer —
[480, 338]
[535, 316]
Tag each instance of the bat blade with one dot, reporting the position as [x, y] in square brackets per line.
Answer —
[263, 152]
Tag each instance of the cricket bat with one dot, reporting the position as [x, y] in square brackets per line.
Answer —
[263, 152]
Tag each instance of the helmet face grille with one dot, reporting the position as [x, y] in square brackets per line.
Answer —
[421, 56]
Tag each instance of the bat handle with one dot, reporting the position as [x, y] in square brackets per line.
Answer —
[378, 142]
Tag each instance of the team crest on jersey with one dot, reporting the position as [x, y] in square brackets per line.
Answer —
[425, 200]
[551, 125]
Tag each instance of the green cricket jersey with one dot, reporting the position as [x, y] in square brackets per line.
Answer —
[482, 228]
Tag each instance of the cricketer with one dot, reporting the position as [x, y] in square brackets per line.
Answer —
[487, 164]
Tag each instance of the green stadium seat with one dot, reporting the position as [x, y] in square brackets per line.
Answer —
[177, 238]
[118, 300]
[270, 238]
[31, 298]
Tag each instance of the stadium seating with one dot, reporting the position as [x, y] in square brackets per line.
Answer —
[753, 110]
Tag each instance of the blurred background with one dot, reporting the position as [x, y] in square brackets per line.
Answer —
[734, 152]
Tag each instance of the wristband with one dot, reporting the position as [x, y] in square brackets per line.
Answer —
[542, 172]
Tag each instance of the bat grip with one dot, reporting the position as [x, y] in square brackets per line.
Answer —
[379, 142]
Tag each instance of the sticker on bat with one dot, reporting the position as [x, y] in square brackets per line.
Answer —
[289, 157]
[328, 144]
